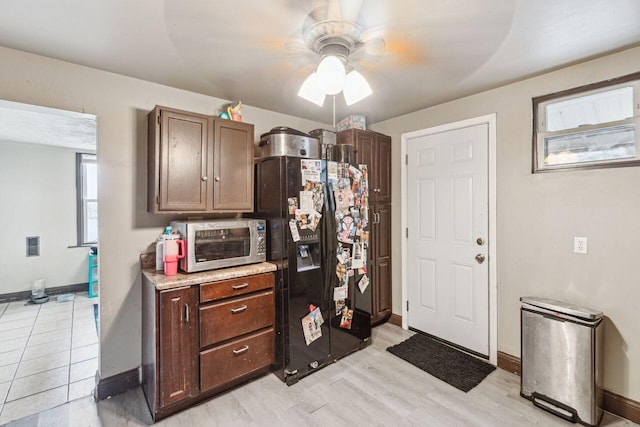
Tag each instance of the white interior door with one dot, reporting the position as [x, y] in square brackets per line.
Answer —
[447, 247]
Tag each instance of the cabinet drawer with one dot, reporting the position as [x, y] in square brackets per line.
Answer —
[233, 287]
[229, 319]
[236, 358]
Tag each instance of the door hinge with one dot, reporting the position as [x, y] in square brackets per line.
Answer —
[157, 200]
[407, 305]
[159, 120]
[407, 232]
[406, 159]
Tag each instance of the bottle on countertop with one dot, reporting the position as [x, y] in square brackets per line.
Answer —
[160, 248]
[173, 252]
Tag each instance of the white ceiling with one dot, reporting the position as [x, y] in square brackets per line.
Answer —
[250, 50]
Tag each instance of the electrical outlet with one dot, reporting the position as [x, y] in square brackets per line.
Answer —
[580, 245]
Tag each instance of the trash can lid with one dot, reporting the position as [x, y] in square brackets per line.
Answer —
[563, 307]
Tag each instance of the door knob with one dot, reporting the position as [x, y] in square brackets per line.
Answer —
[217, 179]
[479, 241]
[480, 258]
[204, 178]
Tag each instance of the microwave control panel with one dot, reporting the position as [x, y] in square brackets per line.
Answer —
[261, 239]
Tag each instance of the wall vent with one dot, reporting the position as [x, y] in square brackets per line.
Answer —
[33, 246]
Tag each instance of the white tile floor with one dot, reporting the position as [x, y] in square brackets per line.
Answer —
[48, 355]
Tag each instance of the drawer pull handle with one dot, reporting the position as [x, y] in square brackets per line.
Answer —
[239, 309]
[241, 350]
[242, 286]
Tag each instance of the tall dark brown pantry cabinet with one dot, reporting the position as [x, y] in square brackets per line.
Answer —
[198, 163]
[374, 150]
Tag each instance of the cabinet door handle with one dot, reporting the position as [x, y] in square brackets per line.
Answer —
[186, 313]
[241, 350]
[239, 309]
[242, 286]
[217, 178]
[204, 178]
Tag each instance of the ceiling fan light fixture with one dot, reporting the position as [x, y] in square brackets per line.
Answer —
[331, 74]
[311, 90]
[356, 88]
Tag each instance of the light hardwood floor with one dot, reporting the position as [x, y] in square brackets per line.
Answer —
[369, 388]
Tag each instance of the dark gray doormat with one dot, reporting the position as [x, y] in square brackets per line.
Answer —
[452, 366]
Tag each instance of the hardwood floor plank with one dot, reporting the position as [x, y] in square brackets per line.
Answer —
[371, 387]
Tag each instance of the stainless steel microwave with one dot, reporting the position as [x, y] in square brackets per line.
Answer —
[212, 244]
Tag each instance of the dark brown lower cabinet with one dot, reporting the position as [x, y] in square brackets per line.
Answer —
[381, 262]
[178, 319]
[200, 340]
[232, 318]
[235, 359]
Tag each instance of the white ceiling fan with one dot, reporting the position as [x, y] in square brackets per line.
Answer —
[334, 32]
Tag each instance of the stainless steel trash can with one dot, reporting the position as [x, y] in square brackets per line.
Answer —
[561, 355]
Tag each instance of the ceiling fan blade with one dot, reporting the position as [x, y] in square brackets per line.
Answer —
[335, 10]
[402, 51]
[344, 10]
[373, 42]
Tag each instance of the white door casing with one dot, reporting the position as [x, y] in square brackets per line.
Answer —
[449, 202]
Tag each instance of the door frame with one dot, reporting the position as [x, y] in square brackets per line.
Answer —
[490, 120]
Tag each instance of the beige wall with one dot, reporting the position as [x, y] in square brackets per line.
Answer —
[38, 188]
[126, 229]
[538, 216]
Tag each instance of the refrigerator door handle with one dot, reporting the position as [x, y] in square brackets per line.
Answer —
[330, 238]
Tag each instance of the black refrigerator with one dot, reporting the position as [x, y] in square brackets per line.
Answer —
[317, 235]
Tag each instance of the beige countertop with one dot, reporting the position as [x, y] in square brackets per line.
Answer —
[163, 282]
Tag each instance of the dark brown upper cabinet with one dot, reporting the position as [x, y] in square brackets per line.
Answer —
[383, 164]
[198, 163]
[233, 166]
[374, 150]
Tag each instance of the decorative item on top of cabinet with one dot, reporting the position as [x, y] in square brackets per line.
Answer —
[198, 163]
[374, 150]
